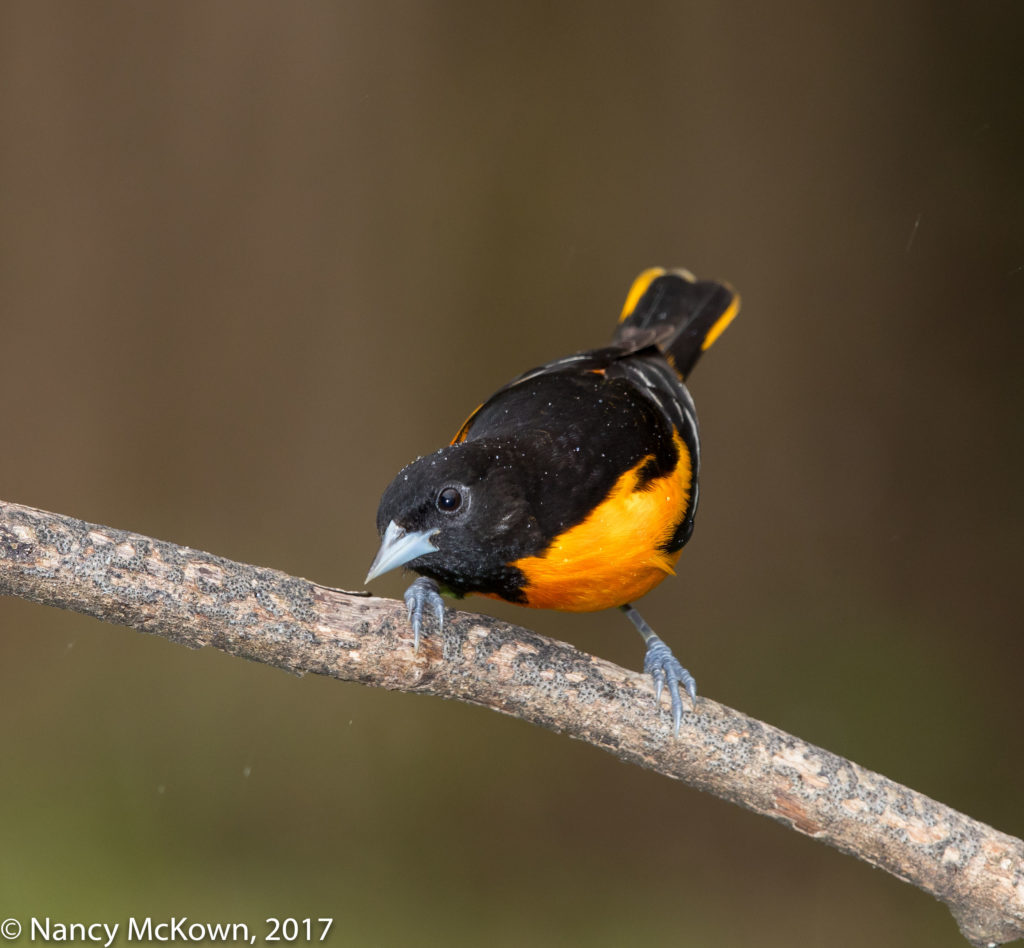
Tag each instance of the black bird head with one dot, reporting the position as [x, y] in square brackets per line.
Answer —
[459, 516]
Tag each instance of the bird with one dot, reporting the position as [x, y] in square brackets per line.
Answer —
[574, 487]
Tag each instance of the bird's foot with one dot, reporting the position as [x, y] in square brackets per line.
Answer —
[664, 668]
[422, 594]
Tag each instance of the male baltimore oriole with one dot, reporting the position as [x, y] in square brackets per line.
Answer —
[573, 487]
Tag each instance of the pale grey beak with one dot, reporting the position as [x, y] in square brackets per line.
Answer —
[399, 547]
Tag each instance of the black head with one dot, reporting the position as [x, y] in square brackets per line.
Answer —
[460, 516]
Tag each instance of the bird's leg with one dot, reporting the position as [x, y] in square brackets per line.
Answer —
[423, 593]
[663, 667]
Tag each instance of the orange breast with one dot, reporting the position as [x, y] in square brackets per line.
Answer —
[614, 556]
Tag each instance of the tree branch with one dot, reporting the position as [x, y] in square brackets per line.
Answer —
[198, 599]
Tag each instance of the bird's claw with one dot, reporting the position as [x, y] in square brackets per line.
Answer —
[664, 668]
[423, 593]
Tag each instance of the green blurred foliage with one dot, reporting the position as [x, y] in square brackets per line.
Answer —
[254, 257]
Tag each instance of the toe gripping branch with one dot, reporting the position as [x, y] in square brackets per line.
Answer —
[422, 594]
[663, 667]
[659, 662]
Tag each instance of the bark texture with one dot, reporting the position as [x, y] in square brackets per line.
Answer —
[198, 599]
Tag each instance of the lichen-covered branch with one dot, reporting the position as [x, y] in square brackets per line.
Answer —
[198, 599]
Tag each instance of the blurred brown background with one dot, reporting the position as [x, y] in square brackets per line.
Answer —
[254, 257]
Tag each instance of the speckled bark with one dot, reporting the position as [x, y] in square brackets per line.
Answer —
[198, 599]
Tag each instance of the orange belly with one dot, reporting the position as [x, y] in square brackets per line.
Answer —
[617, 554]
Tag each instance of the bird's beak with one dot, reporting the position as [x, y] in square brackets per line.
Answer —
[399, 547]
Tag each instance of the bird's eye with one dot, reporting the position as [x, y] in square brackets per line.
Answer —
[449, 500]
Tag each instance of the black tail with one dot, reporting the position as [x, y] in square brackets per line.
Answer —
[682, 315]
